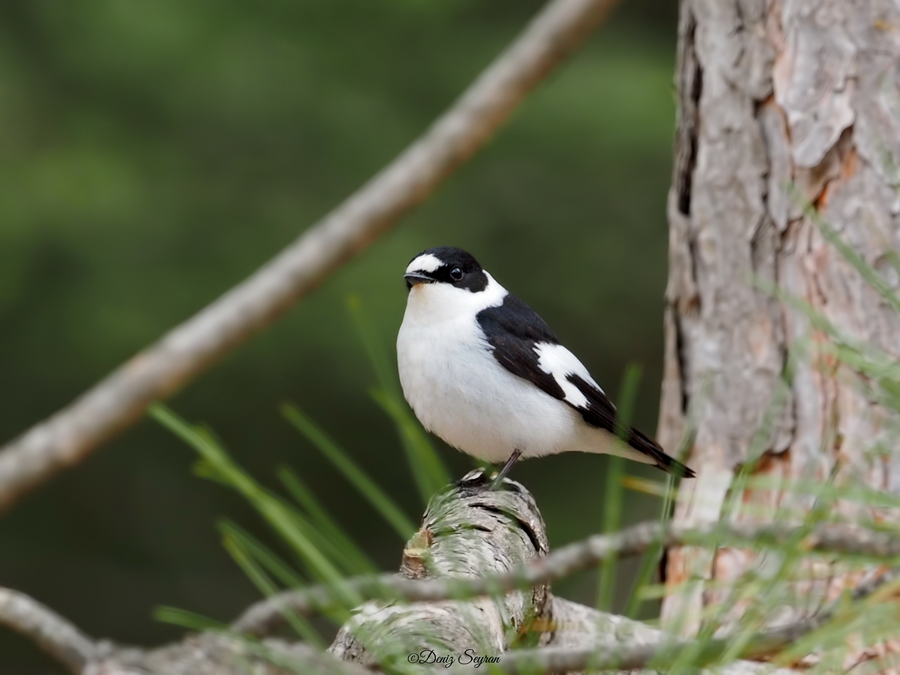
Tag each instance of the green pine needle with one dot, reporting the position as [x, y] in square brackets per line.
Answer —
[377, 497]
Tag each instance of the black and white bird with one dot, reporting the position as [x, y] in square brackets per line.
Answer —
[486, 374]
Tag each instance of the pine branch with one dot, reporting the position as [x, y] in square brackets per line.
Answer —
[265, 616]
[645, 653]
[494, 522]
[187, 350]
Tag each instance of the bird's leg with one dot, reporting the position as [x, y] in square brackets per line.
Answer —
[505, 470]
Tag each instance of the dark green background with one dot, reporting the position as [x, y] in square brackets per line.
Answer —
[155, 153]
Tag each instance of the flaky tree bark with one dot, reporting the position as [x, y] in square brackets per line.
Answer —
[782, 104]
[465, 533]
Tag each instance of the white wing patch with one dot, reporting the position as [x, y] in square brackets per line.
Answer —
[424, 263]
[559, 362]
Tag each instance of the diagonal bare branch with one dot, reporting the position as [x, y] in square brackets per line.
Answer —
[47, 629]
[186, 351]
[266, 615]
[203, 654]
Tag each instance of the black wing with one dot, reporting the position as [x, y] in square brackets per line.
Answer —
[514, 331]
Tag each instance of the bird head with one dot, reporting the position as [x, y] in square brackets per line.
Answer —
[446, 265]
[448, 284]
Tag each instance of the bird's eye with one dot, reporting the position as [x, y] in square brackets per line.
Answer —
[456, 274]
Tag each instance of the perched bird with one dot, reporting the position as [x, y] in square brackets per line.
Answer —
[486, 374]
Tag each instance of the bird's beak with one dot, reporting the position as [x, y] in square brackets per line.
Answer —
[414, 278]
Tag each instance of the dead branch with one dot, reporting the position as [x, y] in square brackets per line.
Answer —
[466, 534]
[207, 654]
[187, 350]
[47, 629]
[219, 654]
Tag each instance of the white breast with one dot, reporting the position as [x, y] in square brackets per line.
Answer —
[461, 393]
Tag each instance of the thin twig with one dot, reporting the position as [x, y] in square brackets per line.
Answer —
[265, 616]
[189, 349]
[47, 629]
[634, 657]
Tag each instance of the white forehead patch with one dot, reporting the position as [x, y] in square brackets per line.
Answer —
[424, 263]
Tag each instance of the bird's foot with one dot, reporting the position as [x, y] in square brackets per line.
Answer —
[498, 481]
[479, 480]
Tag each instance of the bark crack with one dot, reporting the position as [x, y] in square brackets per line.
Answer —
[688, 128]
[681, 355]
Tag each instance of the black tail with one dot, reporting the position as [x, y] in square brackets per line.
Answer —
[641, 442]
[600, 412]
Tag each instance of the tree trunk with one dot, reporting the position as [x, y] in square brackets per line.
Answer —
[783, 104]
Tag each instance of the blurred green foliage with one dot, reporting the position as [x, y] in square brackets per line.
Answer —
[155, 153]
